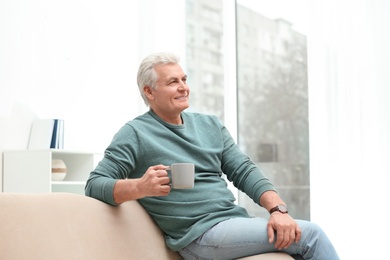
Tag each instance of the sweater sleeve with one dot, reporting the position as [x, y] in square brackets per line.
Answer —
[242, 171]
[117, 163]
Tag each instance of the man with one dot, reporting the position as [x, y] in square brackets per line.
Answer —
[203, 222]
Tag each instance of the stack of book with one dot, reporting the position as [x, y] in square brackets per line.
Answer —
[47, 134]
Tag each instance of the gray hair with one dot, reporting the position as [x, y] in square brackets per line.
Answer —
[147, 76]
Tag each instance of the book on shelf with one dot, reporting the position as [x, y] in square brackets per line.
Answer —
[47, 134]
[57, 139]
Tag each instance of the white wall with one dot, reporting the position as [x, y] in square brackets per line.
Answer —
[77, 60]
[74, 60]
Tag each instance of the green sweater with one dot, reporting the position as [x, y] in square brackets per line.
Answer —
[186, 214]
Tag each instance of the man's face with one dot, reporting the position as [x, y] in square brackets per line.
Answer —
[171, 95]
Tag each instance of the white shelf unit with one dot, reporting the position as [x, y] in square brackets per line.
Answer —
[29, 171]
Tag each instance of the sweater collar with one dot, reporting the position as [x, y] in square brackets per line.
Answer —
[155, 116]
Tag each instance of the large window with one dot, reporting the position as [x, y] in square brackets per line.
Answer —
[273, 105]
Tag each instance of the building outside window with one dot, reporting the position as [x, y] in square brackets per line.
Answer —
[272, 93]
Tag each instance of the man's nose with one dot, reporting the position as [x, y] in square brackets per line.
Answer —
[183, 86]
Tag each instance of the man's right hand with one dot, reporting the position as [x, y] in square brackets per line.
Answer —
[155, 182]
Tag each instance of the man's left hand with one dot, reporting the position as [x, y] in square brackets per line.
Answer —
[285, 228]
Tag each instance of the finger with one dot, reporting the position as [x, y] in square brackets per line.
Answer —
[286, 240]
[165, 190]
[161, 173]
[271, 234]
[160, 167]
[279, 239]
[297, 234]
[291, 238]
[164, 180]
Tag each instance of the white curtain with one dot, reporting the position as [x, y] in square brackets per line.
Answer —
[349, 95]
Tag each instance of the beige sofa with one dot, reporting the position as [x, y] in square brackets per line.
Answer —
[69, 226]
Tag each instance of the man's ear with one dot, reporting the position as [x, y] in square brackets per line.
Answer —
[148, 92]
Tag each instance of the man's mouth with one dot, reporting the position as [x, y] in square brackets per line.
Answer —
[181, 97]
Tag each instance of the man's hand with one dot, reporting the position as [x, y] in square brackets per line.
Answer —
[155, 182]
[286, 229]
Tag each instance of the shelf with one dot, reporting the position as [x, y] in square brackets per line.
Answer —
[29, 171]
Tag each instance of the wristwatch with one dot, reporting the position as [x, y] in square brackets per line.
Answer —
[281, 208]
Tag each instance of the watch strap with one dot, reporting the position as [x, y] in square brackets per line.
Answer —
[281, 208]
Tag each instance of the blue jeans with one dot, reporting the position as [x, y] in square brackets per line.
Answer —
[240, 237]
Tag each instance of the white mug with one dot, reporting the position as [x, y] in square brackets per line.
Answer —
[182, 175]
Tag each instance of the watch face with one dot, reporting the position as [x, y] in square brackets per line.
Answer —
[282, 208]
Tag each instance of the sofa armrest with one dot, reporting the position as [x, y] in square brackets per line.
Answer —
[70, 226]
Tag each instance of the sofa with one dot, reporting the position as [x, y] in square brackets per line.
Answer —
[70, 226]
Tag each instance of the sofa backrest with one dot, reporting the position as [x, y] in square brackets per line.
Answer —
[70, 226]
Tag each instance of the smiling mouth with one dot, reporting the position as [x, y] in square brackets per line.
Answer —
[182, 97]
